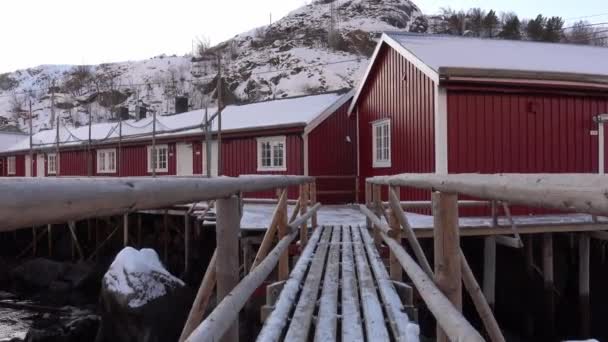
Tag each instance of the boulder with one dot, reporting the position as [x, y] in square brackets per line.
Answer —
[141, 301]
[38, 273]
[75, 327]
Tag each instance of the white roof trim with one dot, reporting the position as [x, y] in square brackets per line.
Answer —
[328, 112]
[427, 70]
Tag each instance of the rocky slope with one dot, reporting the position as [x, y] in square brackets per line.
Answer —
[322, 46]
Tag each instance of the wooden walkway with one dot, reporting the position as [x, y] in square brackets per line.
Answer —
[340, 290]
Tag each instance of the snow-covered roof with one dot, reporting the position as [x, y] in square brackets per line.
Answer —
[444, 56]
[441, 51]
[278, 113]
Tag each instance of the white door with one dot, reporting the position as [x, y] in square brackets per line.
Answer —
[184, 159]
[28, 166]
[213, 159]
[40, 165]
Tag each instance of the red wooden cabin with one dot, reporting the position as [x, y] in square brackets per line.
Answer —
[310, 135]
[445, 104]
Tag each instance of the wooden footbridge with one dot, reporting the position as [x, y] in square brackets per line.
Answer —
[337, 287]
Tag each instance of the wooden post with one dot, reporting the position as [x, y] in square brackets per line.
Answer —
[303, 210]
[313, 200]
[283, 272]
[395, 268]
[548, 277]
[166, 237]
[227, 265]
[368, 202]
[125, 229]
[187, 235]
[72, 227]
[139, 230]
[584, 248]
[34, 241]
[489, 270]
[448, 273]
[49, 230]
[377, 198]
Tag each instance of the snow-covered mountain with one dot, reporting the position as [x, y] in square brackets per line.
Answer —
[322, 46]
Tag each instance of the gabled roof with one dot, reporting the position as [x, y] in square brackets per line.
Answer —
[441, 56]
[299, 111]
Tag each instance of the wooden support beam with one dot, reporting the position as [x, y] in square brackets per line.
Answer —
[489, 270]
[34, 241]
[368, 202]
[303, 210]
[227, 266]
[376, 198]
[195, 317]
[409, 232]
[548, 277]
[165, 236]
[448, 273]
[72, 227]
[271, 231]
[187, 237]
[125, 229]
[283, 230]
[584, 249]
[313, 199]
[49, 231]
[295, 212]
[139, 219]
[396, 271]
[482, 306]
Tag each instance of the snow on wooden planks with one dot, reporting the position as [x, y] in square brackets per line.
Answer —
[339, 290]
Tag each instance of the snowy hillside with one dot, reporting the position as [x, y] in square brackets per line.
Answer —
[320, 47]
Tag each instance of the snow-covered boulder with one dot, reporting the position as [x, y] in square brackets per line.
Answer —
[141, 300]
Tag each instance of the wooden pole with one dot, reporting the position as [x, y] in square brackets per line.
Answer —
[34, 241]
[548, 278]
[125, 229]
[489, 269]
[448, 273]
[270, 232]
[139, 218]
[584, 249]
[482, 306]
[303, 210]
[72, 227]
[49, 230]
[368, 202]
[283, 272]
[166, 236]
[154, 153]
[227, 268]
[187, 236]
[376, 198]
[313, 199]
[195, 317]
[219, 116]
[396, 271]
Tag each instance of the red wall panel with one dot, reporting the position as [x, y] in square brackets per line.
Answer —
[240, 158]
[331, 154]
[74, 163]
[398, 90]
[134, 161]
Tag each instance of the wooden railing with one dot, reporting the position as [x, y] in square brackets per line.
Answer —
[223, 320]
[441, 289]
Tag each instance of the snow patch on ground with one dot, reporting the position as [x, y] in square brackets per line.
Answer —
[139, 276]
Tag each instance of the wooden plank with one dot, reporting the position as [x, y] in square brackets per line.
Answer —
[276, 322]
[302, 316]
[398, 319]
[227, 265]
[448, 273]
[373, 317]
[352, 328]
[328, 306]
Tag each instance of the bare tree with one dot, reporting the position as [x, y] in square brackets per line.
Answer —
[16, 102]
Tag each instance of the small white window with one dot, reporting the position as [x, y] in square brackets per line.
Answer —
[381, 141]
[52, 163]
[106, 161]
[272, 154]
[158, 158]
[12, 165]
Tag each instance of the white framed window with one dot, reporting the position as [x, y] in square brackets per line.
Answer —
[106, 161]
[52, 163]
[272, 153]
[158, 158]
[381, 143]
[11, 165]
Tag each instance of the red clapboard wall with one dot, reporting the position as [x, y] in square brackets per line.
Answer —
[399, 91]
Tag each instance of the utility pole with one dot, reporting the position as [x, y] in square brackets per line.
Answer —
[208, 128]
[56, 151]
[154, 153]
[31, 139]
[219, 115]
[52, 103]
[119, 153]
[89, 161]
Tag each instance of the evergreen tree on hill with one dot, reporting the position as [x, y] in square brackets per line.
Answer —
[553, 30]
[511, 27]
[490, 24]
[535, 29]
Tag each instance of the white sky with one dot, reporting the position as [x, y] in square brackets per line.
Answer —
[34, 32]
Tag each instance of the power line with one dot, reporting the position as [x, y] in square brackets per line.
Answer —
[588, 16]
[585, 25]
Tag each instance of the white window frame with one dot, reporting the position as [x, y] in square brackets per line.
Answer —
[105, 156]
[158, 148]
[11, 166]
[55, 163]
[381, 161]
[274, 142]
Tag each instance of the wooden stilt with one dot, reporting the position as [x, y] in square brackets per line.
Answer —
[125, 229]
[187, 236]
[34, 241]
[489, 270]
[166, 237]
[89, 232]
[227, 266]
[72, 227]
[584, 248]
[368, 202]
[548, 278]
[303, 209]
[103, 243]
[376, 198]
[313, 200]
[396, 271]
[49, 231]
[448, 273]
[283, 268]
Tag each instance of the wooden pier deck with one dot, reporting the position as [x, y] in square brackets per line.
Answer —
[340, 290]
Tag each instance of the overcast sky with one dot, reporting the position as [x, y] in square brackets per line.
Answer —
[34, 32]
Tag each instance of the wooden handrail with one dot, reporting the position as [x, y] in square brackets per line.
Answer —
[271, 232]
